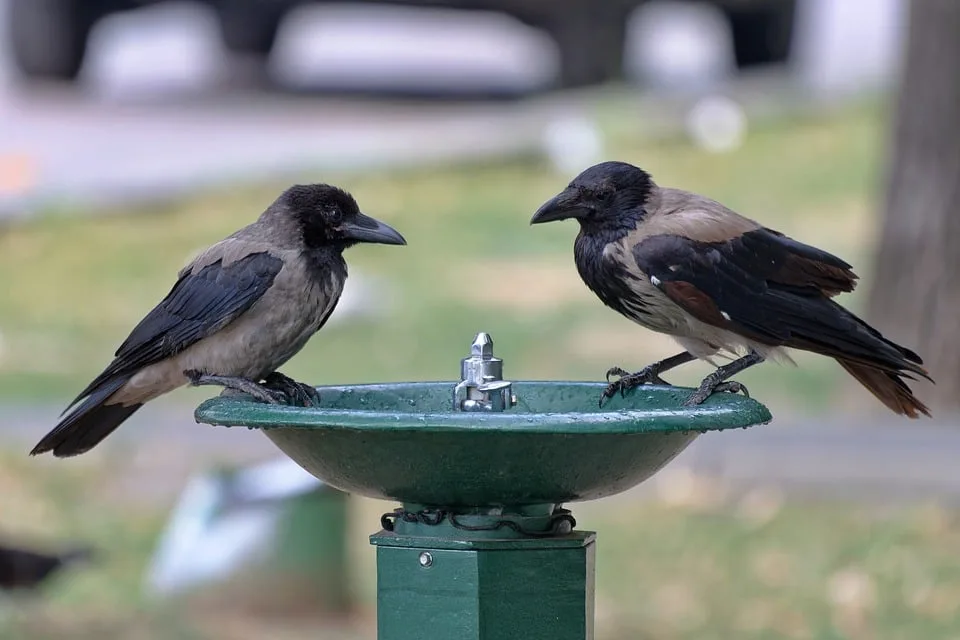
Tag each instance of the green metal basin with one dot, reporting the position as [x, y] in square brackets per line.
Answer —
[404, 442]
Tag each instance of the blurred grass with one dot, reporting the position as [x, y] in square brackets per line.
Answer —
[74, 286]
[758, 568]
[689, 560]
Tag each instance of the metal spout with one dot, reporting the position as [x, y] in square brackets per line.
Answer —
[482, 387]
[482, 346]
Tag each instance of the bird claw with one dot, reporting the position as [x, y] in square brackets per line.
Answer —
[237, 385]
[627, 381]
[296, 393]
[710, 386]
[616, 371]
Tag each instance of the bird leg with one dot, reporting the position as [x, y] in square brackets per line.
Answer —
[234, 383]
[299, 393]
[717, 381]
[648, 375]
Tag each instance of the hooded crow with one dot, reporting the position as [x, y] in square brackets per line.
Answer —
[720, 284]
[237, 312]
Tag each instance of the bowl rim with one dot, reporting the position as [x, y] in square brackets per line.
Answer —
[720, 412]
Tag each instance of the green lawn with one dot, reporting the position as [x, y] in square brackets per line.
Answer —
[74, 286]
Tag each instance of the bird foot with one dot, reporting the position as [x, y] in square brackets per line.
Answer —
[299, 393]
[712, 385]
[237, 385]
[648, 375]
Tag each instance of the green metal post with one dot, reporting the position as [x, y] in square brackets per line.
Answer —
[435, 581]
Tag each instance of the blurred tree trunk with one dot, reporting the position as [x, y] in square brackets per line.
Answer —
[915, 297]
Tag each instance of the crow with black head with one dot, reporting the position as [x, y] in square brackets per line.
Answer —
[237, 312]
[721, 285]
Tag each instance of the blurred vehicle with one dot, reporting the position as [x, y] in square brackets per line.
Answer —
[49, 37]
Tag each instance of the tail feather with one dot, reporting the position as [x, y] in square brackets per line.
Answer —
[888, 387]
[879, 364]
[88, 424]
[851, 339]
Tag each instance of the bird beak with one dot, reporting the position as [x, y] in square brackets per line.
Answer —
[566, 204]
[363, 228]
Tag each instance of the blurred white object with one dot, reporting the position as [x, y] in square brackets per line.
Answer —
[573, 143]
[849, 46]
[717, 124]
[407, 47]
[222, 522]
[154, 51]
[363, 296]
[679, 44]
[852, 588]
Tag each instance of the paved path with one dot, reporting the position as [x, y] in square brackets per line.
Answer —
[58, 148]
[74, 152]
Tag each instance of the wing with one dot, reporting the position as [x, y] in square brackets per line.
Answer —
[757, 248]
[199, 304]
[784, 261]
[752, 288]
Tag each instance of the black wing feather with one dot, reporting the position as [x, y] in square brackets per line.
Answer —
[199, 304]
[774, 257]
[730, 285]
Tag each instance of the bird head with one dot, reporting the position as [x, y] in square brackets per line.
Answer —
[329, 216]
[606, 195]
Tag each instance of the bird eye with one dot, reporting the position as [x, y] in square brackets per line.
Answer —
[334, 216]
[604, 193]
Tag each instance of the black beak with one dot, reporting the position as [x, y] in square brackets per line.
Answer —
[366, 229]
[566, 204]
